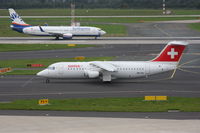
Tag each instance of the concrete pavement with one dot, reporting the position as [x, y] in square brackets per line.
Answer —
[30, 124]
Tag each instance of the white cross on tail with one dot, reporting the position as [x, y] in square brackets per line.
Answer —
[172, 53]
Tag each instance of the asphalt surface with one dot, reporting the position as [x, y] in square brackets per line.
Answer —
[138, 33]
[100, 41]
[116, 16]
[185, 83]
[99, 51]
[147, 115]
[162, 29]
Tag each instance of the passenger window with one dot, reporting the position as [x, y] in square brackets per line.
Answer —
[51, 68]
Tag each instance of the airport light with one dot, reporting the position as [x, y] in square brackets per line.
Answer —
[72, 12]
[164, 7]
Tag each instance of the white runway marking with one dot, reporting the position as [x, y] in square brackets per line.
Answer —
[100, 41]
[103, 92]
[161, 30]
[27, 82]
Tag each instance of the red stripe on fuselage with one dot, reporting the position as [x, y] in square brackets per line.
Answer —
[21, 24]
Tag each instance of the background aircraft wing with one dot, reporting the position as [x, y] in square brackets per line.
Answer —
[54, 33]
[105, 66]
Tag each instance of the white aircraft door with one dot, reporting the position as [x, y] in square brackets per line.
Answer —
[60, 71]
[147, 69]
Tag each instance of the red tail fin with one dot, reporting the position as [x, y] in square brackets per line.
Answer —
[172, 52]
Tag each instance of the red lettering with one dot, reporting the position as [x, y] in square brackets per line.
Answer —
[74, 66]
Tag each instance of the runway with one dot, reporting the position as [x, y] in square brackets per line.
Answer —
[185, 83]
[100, 41]
[138, 115]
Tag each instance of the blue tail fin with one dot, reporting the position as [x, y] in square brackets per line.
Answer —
[17, 23]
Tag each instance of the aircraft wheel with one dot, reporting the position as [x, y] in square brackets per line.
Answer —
[47, 81]
[107, 82]
[57, 38]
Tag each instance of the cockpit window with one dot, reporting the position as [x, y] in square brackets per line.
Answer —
[51, 68]
[98, 29]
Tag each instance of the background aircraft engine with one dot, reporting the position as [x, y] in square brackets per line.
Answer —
[67, 36]
[92, 74]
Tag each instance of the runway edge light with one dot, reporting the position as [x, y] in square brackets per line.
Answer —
[43, 102]
[155, 98]
[71, 45]
[150, 98]
[79, 58]
[161, 98]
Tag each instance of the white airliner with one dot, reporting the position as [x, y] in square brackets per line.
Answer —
[167, 60]
[66, 32]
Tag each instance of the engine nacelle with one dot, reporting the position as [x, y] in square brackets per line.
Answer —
[91, 74]
[67, 36]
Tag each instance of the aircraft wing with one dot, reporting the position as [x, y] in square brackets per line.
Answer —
[52, 33]
[104, 65]
[55, 33]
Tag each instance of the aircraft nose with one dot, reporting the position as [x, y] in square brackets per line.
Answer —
[102, 32]
[43, 73]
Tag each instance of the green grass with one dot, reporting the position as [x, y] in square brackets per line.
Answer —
[45, 62]
[134, 19]
[108, 105]
[97, 12]
[185, 12]
[22, 72]
[32, 47]
[112, 30]
[195, 26]
[23, 63]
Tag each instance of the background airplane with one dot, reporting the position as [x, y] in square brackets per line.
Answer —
[167, 60]
[66, 32]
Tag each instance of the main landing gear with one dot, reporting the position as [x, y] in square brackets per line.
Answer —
[47, 81]
[57, 38]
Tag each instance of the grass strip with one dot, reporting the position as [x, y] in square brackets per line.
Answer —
[22, 72]
[111, 29]
[46, 62]
[33, 47]
[108, 105]
[99, 12]
[194, 26]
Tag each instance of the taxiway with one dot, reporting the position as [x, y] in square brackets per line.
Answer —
[185, 82]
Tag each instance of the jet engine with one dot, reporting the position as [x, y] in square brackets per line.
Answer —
[92, 74]
[67, 36]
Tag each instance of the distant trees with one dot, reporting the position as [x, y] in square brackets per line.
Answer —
[99, 3]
